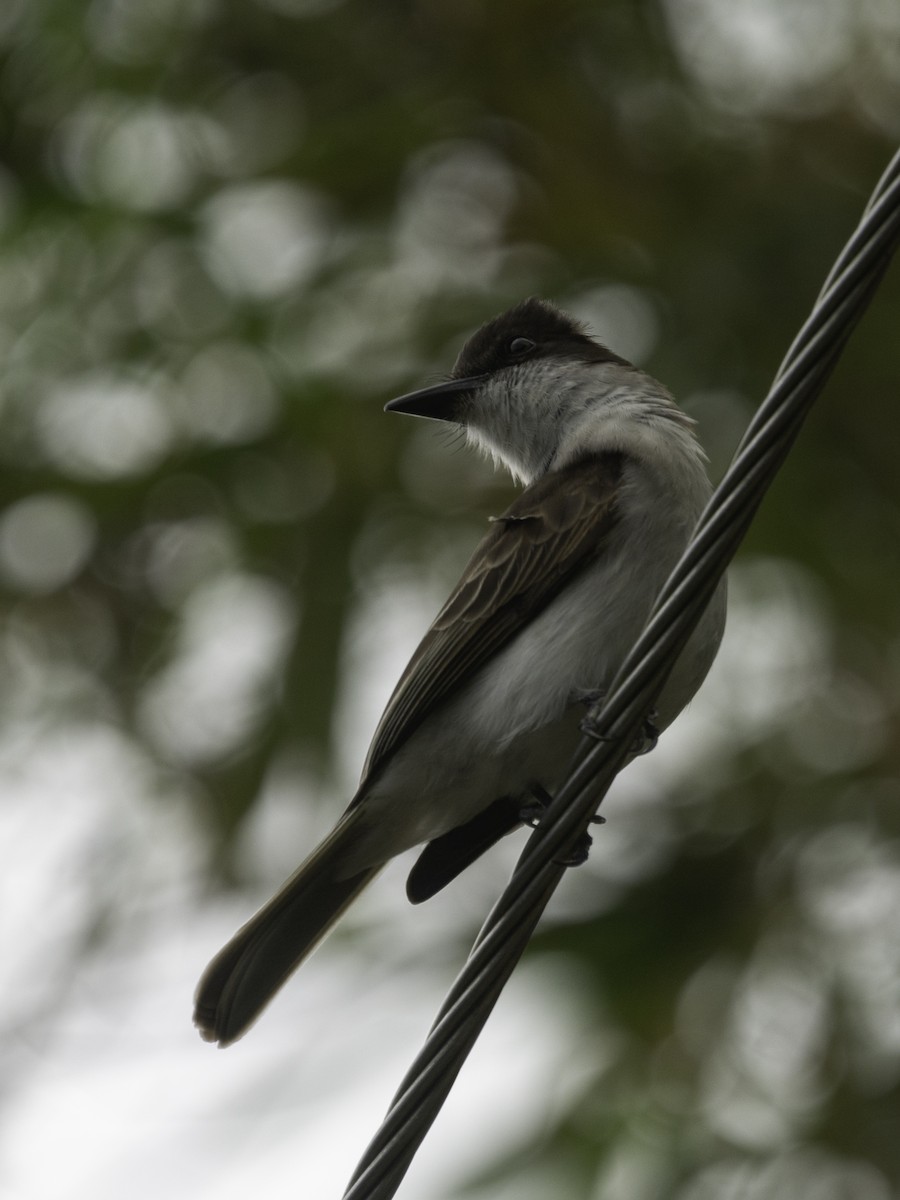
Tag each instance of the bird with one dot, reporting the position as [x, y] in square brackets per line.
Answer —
[488, 713]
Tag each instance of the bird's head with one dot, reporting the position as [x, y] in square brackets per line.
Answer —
[517, 384]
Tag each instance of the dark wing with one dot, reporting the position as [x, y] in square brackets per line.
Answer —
[550, 532]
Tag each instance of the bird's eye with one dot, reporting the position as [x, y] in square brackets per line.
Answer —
[520, 346]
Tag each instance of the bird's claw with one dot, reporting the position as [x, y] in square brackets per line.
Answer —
[642, 744]
[648, 737]
[531, 814]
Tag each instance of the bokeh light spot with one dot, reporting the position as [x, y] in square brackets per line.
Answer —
[45, 540]
[103, 426]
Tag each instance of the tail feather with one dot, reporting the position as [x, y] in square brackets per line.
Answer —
[247, 972]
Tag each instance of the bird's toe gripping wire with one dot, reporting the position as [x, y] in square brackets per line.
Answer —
[531, 814]
[643, 743]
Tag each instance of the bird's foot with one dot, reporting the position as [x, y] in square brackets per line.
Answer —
[531, 814]
[649, 735]
[643, 743]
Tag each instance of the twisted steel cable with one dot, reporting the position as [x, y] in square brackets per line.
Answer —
[720, 530]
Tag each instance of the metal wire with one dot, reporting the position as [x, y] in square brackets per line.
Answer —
[501, 942]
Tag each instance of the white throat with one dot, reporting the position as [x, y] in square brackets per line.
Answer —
[547, 413]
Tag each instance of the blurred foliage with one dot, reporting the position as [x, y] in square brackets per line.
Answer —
[229, 231]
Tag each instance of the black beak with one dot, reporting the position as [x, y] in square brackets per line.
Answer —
[442, 402]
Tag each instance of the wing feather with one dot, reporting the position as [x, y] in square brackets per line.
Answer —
[551, 531]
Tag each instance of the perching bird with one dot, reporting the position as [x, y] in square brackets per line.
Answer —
[488, 712]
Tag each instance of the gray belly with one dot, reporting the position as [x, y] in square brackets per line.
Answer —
[514, 726]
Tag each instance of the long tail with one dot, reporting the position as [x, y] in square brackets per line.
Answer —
[247, 972]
